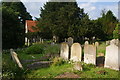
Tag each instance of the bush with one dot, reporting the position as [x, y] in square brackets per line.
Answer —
[10, 69]
[35, 49]
[57, 61]
[53, 49]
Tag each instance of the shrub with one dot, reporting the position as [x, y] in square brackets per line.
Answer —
[10, 69]
[53, 49]
[35, 49]
[57, 61]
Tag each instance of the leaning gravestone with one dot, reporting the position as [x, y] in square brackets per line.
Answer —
[64, 52]
[76, 52]
[112, 57]
[70, 41]
[90, 54]
[15, 58]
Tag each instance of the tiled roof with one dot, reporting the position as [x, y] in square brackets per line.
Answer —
[31, 26]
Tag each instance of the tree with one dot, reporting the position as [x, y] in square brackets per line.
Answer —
[61, 19]
[116, 32]
[13, 22]
[107, 23]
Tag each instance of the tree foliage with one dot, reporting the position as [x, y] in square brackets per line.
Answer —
[61, 19]
[14, 15]
[107, 22]
[116, 32]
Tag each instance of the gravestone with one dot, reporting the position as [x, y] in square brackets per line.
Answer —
[112, 57]
[42, 41]
[78, 66]
[90, 54]
[107, 42]
[70, 41]
[64, 52]
[96, 44]
[15, 58]
[76, 52]
[112, 41]
[86, 43]
[117, 42]
[65, 40]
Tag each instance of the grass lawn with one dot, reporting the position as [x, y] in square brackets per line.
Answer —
[49, 72]
[10, 69]
[88, 72]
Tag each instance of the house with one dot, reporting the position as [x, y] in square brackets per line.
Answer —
[30, 26]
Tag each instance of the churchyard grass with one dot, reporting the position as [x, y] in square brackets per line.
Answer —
[50, 72]
[99, 73]
[10, 69]
[89, 71]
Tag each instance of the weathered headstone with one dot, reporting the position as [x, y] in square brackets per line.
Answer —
[42, 41]
[65, 40]
[78, 66]
[90, 54]
[117, 42]
[76, 52]
[15, 58]
[86, 42]
[96, 44]
[112, 57]
[28, 42]
[112, 41]
[70, 41]
[64, 52]
[107, 42]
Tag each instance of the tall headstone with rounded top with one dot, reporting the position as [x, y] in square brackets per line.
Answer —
[64, 52]
[76, 52]
[90, 54]
[112, 57]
